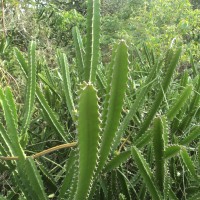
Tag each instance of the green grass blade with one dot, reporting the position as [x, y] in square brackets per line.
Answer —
[115, 103]
[145, 172]
[30, 91]
[88, 137]
[161, 93]
[179, 102]
[62, 60]
[92, 44]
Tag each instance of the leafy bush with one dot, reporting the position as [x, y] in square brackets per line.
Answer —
[159, 24]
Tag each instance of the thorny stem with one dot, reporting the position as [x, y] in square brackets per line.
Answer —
[42, 153]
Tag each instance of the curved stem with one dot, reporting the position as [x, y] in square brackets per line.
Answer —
[42, 153]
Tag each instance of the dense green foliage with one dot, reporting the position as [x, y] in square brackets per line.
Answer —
[104, 120]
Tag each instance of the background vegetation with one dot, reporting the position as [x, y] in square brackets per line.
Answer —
[142, 140]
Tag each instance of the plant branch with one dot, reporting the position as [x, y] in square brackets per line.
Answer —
[42, 153]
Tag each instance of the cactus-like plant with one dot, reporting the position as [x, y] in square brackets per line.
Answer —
[93, 168]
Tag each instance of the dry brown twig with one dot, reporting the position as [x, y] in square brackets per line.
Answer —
[42, 153]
